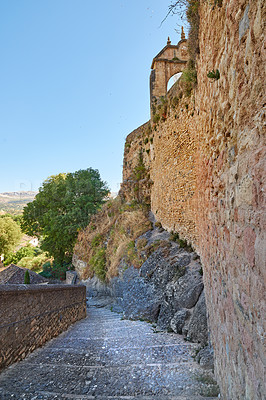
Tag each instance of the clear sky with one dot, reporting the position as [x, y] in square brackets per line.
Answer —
[74, 82]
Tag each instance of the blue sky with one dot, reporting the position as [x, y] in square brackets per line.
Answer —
[74, 82]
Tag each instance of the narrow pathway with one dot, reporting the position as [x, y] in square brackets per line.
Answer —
[105, 357]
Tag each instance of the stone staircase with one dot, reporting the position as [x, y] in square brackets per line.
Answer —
[106, 357]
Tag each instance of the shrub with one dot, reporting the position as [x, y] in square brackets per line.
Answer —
[46, 274]
[214, 74]
[98, 263]
[180, 272]
[14, 258]
[156, 118]
[96, 241]
[55, 270]
[27, 278]
[47, 266]
[174, 236]
[132, 255]
[189, 77]
[59, 270]
[175, 101]
[141, 243]
[33, 263]
[127, 223]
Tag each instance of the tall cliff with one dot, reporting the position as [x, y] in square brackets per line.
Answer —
[204, 156]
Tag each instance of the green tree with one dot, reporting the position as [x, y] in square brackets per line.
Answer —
[10, 234]
[14, 258]
[27, 278]
[62, 207]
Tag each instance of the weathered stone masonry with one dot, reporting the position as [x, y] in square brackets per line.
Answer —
[30, 315]
[230, 190]
[206, 159]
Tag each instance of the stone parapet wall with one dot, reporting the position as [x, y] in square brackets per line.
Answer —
[30, 315]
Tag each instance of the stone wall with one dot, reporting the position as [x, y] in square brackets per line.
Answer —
[207, 165]
[30, 315]
[230, 190]
[138, 147]
[172, 169]
[169, 150]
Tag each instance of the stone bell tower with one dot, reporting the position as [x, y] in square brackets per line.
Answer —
[168, 62]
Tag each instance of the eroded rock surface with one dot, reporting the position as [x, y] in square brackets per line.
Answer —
[166, 290]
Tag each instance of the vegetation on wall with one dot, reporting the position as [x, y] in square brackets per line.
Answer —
[190, 10]
[214, 74]
[110, 238]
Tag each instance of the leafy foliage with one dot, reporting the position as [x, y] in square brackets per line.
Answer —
[55, 270]
[62, 207]
[14, 258]
[98, 263]
[33, 263]
[214, 74]
[10, 234]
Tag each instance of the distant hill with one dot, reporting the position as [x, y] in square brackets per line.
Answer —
[13, 202]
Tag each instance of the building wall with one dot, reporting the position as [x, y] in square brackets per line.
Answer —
[207, 167]
[30, 315]
[172, 167]
[231, 185]
[138, 144]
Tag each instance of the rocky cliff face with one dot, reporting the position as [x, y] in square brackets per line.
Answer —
[166, 290]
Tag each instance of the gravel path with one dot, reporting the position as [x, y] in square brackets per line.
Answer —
[105, 357]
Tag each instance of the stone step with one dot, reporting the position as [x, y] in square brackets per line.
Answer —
[104, 357]
[55, 395]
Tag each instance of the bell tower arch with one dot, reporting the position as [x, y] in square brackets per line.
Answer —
[168, 62]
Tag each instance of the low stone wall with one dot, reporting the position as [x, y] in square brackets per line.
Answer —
[32, 315]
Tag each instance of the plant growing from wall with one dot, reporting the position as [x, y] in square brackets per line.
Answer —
[190, 9]
[140, 169]
[118, 224]
[156, 118]
[189, 77]
[98, 263]
[214, 74]
[140, 173]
